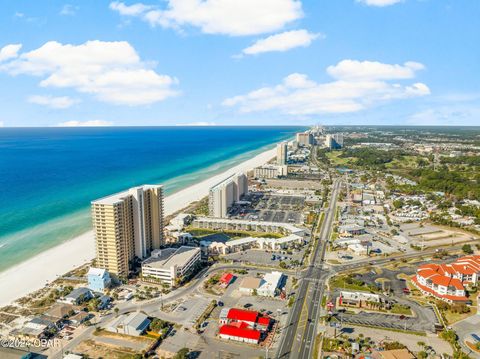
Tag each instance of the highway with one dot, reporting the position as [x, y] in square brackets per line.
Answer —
[299, 334]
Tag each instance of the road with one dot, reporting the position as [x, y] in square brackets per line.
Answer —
[299, 334]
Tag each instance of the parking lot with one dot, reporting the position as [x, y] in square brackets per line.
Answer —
[464, 329]
[425, 317]
[270, 208]
[261, 257]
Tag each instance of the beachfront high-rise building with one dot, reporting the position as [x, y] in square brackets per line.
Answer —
[128, 224]
[224, 194]
[334, 141]
[282, 153]
[305, 139]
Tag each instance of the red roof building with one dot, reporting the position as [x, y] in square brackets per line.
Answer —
[448, 281]
[226, 279]
[248, 316]
[242, 325]
[233, 332]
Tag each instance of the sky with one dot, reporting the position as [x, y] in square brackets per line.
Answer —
[239, 62]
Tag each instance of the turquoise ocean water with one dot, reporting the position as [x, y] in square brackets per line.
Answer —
[48, 176]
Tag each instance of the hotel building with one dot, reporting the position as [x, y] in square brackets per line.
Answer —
[128, 224]
[305, 139]
[282, 153]
[270, 171]
[166, 265]
[334, 141]
[448, 282]
[224, 194]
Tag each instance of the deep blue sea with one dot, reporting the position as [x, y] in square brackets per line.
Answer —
[48, 176]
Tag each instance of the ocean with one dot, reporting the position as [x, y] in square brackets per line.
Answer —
[48, 176]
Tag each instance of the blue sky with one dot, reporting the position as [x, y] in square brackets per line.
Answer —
[249, 62]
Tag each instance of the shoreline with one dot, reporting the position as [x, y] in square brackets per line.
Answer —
[26, 277]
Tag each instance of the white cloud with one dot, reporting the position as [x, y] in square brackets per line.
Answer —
[372, 70]
[379, 3]
[68, 10]
[200, 123]
[9, 52]
[111, 71]
[228, 17]
[282, 42]
[94, 123]
[60, 102]
[129, 10]
[2, 124]
[298, 95]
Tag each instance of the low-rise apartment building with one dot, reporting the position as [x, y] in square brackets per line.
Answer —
[168, 265]
[448, 282]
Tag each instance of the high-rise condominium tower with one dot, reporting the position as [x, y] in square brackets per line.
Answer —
[282, 153]
[224, 194]
[128, 224]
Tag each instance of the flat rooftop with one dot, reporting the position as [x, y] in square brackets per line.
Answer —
[171, 256]
[118, 197]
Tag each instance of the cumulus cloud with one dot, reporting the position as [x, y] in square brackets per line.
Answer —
[93, 123]
[350, 92]
[372, 70]
[228, 17]
[282, 42]
[111, 71]
[53, 102]
[379, 3]
[9, 52]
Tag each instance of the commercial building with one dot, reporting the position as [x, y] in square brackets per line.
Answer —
[270, 171]
[243, 325]
[305, 139]
[135, 324]
[98, 279]
[224, 194]
[249, 285]
[128, 224]
[448, 282]
[291, 234]
[226, 279]
[282, 149]
[168, 265]
[271, 284]
[239, 332]
[334, 141]
[358, 299]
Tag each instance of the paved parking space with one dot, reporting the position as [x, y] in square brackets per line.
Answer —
[270, 208]
[464, 329]
[190, 310]
[391, 321]
[260, 257]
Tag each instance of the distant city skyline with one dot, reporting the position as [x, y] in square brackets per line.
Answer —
[226, 62]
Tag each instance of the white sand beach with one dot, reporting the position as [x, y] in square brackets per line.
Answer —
[34, 273]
